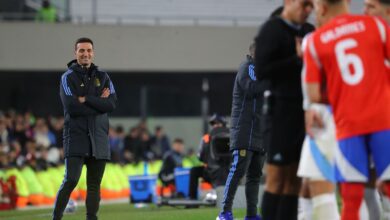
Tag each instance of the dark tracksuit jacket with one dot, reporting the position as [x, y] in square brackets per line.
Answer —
[245, 138]
[171, 160]
[86, 124]
[246, 109]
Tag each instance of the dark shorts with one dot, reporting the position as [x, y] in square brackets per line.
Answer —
[283, 130]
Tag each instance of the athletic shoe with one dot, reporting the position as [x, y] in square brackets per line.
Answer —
[225, 216]
[256, 217]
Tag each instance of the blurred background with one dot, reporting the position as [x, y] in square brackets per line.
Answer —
[173, 62]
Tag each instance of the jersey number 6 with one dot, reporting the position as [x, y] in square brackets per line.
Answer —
[351, 76]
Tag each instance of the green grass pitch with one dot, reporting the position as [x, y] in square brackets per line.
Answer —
[124, 211]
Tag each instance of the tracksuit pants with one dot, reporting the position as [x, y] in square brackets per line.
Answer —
[73, 168]
[249, 163]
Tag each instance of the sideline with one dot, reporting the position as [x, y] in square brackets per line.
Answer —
[80, 203]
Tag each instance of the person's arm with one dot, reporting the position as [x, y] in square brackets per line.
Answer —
[312, 74]
[166, 173]
[313, 92]
[247, 80]
[202, 149]
[268, 65]
[312, 80]
[387, 46]
[384, 32]
[107, 101]
[70, 100]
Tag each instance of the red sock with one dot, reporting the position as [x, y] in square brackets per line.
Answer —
[386, 189]
[352, 195]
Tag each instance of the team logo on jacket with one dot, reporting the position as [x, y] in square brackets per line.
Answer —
[242, 153]
[82, 85]
[97, 82]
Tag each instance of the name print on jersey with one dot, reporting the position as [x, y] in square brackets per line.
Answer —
[340, 31]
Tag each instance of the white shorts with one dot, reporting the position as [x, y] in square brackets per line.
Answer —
[317, 156]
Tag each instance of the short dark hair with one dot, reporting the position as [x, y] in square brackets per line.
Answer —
[178, 141]
[45, 3]
[277, 12]
[333, 2]
[119, 129]
[83, 40]
[386, 2]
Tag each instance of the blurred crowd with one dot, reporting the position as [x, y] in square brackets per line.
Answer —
[29, 140]
[139, 144]
[26, 139]
[32, 159]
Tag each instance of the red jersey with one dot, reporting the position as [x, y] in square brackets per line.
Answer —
[349, 53]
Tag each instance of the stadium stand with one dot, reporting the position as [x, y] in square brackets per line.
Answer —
[177, 12]
[172, 12]
[24, 180]
[153, 12]
[31, 161]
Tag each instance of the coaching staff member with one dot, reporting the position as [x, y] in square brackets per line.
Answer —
[245, 140]
[87, 95]
[214, 153]
[279, 61]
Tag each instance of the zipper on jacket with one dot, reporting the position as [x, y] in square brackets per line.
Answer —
[253, 119]
[241, 111]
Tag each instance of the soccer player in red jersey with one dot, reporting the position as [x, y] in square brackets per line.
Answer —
[379, 8]
[348, 53]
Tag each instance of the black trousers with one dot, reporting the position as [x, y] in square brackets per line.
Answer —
[195, 174]
[73, 167]
[249, 163]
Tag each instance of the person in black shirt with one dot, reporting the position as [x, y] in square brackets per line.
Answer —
[159, 143]
[171, 160]
[132, 151]
[279, 62]
[215, 155]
